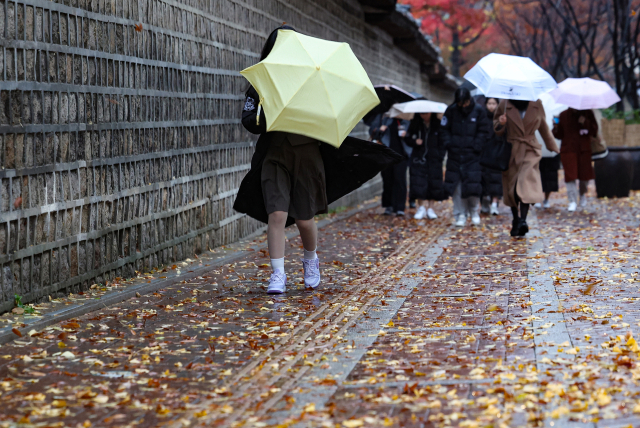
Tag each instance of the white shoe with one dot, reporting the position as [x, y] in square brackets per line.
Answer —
[311, 273]
[461, 220]
[494, 209]
[420, 213]
[537, 205]
[278, 282]
[572, 207]
[583, 202]
[432, 214]
[547, 204]
[475, 219]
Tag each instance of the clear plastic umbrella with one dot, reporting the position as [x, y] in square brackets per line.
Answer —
[511, 77]
[585, 94]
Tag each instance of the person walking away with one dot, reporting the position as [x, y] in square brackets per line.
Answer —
[576, 128]
[491, 178]
[425, 164]
[549, 167]
[464, 130]
[518, 121]
[380, 133]
[293, 184]
[397, 174]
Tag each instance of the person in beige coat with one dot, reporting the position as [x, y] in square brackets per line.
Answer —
[518, 121]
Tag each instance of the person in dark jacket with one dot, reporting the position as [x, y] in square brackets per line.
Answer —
[294, 177]
[491, 178]
[395, 186]
[379, 132]
[425, 163]
[576, 128]
[464, 130]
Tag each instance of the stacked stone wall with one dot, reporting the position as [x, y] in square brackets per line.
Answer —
[121, 146]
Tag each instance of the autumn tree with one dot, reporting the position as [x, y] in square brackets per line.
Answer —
[454, 24]
[577, 38]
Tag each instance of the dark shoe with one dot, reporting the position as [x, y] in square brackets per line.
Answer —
[412, 204]
[523, 228]
[388, 211]
[515, 227]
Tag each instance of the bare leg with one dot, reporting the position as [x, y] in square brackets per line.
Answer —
[275, 234]
[495, 199]
[308, 234]
[546, 196]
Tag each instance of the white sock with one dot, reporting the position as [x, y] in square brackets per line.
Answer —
[310, 255]
[277, 264]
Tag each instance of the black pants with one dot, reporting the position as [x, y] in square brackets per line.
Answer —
[394, 186]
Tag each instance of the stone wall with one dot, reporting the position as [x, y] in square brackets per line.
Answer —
[121, 146]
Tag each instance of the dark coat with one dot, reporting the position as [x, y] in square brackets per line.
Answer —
[397, 143]
[463, 137]
[491, 178]
[425, 164]
[346, 169]
[575, 150]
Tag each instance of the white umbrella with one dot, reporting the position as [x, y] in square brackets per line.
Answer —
[407, 110]
[585, 94]
[510, 77]
[551, 109]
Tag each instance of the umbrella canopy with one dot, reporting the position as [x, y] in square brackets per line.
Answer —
[389, 95]
[585, 94]
[551, 109]
[510, 77]
[472, 88]
[312, 87]
[407, 110]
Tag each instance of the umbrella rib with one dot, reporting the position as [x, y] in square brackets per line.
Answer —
[292, 96]
[332, 107]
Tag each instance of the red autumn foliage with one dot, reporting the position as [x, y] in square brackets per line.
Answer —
[456, 26]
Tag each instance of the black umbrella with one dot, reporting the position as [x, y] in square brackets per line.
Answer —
[468, 85]
[389, 95]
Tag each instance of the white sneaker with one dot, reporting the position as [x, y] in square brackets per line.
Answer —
[547, 204]
[494, 209]
[311, 273]
[461, 220]
[537, 205]
[420, 213]
[432, 214]
[583, 202]
[278, 282]
[572, 207]
[475, 219]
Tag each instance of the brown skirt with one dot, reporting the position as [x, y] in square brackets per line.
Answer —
[293, 179]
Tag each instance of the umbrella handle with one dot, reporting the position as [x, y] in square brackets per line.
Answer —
[258, 115]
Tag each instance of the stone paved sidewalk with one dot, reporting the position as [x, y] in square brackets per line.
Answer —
[417, 324]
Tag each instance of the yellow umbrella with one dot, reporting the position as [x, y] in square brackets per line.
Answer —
[312, 87]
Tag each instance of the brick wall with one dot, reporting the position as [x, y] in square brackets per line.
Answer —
[121, 149]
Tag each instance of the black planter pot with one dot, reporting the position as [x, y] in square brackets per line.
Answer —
[635, 154]
[614, 174]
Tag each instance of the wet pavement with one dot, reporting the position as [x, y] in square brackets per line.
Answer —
[417, 324]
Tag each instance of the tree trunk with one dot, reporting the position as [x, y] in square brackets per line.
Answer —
[456, 53]
[616, 55]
